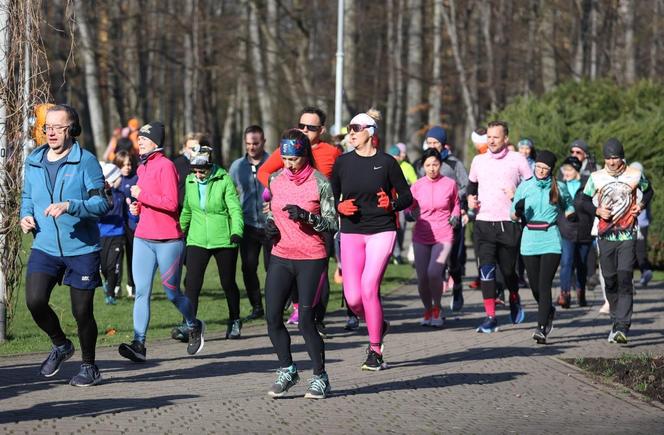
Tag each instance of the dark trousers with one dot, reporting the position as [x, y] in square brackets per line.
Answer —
[253, 241]
[197, 261]
[324, 291]
[498, 244]
[617, 262]
[541, 269]
[457, 258]
[112, 253]
[642, 251]
[281, 274]
[129, 250]
[574, 257]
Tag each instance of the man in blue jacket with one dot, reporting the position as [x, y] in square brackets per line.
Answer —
[62, 198]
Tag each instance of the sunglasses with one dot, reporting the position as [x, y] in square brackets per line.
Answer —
[199, 171]
[577, 153]
[308, 127]
[358, 127]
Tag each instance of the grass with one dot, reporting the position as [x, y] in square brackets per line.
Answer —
[115, 321]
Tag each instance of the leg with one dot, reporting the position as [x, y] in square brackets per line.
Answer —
[422, 260]
[581, 260]
[566, 265]
[548, 265]
[38, 288]
[277, 291]
[625, 257]
[83, 311]
[169, 258]
[115, 263]
[227, 263]
[250, 249]
[197, 262]
[353, 257]
[508, 251]
[439, 254]
[532, 263]
[485, 252]
[609, 268]
[144, 266]
[308, 275]
[129, 249]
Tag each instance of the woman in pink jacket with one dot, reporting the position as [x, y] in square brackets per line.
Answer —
[436, 210]
[158, 241]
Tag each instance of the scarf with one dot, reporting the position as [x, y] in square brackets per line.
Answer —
[300, 176]
[618, 172]
[144, 157]
[500, 154]
[543, 183]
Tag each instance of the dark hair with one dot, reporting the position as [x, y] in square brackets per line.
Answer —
[123, 155]
[302, 139]
[554, 194]
[199, 137]
[431, 152]
[480, 130]
[499, 124]
[75, 124]
[254, 129]
[315, 111]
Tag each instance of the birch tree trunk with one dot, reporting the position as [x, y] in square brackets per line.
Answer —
[656, 41]
[397, 132]
[189, 89]
[91, 84]
[485, 13]
[594, 53]
[436, 88]
[547, 47]
[414, 71]
[627, 14]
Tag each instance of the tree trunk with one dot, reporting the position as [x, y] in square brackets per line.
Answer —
[414, 67]
[91, 84]
[189, 85]
[397, 131]
[227, 138]
[350, 47]
[547, 47]
[629, 47]
[656, 41]
[594, 53]
[485, 13]
[436, 88]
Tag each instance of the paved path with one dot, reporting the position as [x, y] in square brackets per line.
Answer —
[451, 380]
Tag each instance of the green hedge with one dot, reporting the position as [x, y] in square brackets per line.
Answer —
[596, 111]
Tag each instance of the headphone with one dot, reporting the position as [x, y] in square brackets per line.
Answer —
[75, 126]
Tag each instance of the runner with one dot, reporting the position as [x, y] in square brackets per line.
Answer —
[301, 209]
[112, 236]
[363, 181]
[436, 209]
[158, 242]
[128, 162]
[493, 178]
[539, 201]
[62, 199]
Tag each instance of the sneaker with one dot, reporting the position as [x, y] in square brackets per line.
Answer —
[517, 313]
[352, 323]
[294, 318]
[581, 298]
[426, 318]
[474, 284]
[540, 335]
[606, 308]
[549, 321]
[374, 361]
[180, 333]
[564, 299]
[87, 376]
[386, 328]
[233, 329]
[437, 320]
[320, 327]
[645, 278]
[489, 325]
[59, 354]
[456, 304]
[592, 282]
[286, 378]
[130, 290]
[196, 338]
[109, 300]
[256, 313]
[617, 336]
[319, 387]
[523, 283]
[134, 351]
[116, 291]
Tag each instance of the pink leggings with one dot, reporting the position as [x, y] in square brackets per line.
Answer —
[364, 258]
[429, 264]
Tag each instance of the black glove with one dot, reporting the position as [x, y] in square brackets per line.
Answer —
[520, 207]
[271, 230]
[235, 239]
[296, 213]
[572, 217]
[454, 221]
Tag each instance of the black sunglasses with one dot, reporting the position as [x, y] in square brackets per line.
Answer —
[313, 128]
[358, 127]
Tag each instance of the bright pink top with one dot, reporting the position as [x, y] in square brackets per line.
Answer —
[158, 218]
[496, 173]
[297, 240]
[437, 200]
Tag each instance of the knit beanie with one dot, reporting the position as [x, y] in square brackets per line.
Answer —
[580, 143]
[110, 171]
[438, 133]
[613, 148]
[525, 143]
[153, 131]
[546, 157]
[394, 150]
[573, 162]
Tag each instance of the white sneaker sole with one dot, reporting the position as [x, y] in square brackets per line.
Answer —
[202, 340]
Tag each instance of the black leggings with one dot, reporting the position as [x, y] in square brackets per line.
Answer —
[280, 275]
[112, 252]
[129, 250]
[38, 288]
[197, 261]
[541, 270]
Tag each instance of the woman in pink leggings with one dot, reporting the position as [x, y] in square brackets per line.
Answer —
[369, 188]
[436, 210]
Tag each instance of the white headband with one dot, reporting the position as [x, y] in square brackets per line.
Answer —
[364, 119]
[478, 139]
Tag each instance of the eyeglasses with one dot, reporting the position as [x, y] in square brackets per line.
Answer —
[542, 168]
[308, 127]
[55, 128]
[199, 171]
[358, 127]
[252, 143]
[577, 153]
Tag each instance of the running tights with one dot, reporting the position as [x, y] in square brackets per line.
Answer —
[541, 269]
[430, 260]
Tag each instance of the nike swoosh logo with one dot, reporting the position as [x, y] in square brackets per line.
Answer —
[377, 167]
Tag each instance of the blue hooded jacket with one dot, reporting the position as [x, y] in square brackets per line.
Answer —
[79, 181]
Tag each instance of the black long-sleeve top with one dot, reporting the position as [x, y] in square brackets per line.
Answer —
[354, 176]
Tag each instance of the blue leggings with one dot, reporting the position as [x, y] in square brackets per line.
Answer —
[168, 256]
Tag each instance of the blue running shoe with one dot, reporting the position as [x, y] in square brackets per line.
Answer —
[88, 375]
[517, 313]
[489, 325]
[319, 387]
[456, 304]
[59, 354]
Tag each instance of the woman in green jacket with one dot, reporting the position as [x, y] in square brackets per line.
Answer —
[212, 220]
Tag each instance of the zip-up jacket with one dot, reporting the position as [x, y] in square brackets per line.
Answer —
[80, 182]
[250, 189]
[112, 223]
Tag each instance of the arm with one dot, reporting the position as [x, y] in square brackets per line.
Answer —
[234, 208]
[518, 203]
[456, 210]
[335, 182]
[648, 192]
[398, 181]
[185, 214]
[165, 196]
[524, 169]
[27, 208]
[409, 173]
[327, 220]
[567, 203]
[461, 178]
[270, 166]
[97, 204]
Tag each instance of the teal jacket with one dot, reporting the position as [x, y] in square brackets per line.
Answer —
[79, 181]
[210, 223]
[538, 209]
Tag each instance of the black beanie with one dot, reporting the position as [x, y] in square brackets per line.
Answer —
[573, 162]
[546, 157]
[613, 148]
[580, 143]
[153, 131]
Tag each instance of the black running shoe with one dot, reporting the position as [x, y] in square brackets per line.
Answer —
[196, 338]
[352, 323]
[59, 354]
[134, 351]
[87, 376]
[233, 329]
[256, 313]
[457, 297]
[549, 321]
[286, 378]
[180, 333]
[374, 361]
[322, 330]
[539, 335]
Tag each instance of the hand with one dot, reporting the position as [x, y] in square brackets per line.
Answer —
[271, 230]
[28, 224]
[604, 213]
[454, 221]
[465, 219]
[383, 200]
[235, 239]
[572, 217]
[347, 207]
[473, 203]
[296, 213]
[135, 191]
[635, 210]
[57, 209]
[134, 207]
[415, 212]
[520, 207]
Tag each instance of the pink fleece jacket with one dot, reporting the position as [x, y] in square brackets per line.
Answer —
[158, 217]
[437, 200]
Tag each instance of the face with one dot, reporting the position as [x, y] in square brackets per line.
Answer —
[432, 167]
[145, 145]
[254, 143]
[116, 183]
[613, 163]
[57, 127]
[434, 143]
[189, 146]
[126, 168]
[542, 170]
[578, 153]
[524, 150]
[294, 163]
[569, 173]
[358, 138]
[496, 138]
[200, 173]
[311, 120]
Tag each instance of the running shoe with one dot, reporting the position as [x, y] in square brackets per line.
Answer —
[475, 284]
[87, 376]
[130, 291]
[109, 300]
[517, 313]
[286, 378]
[437, 319]
[233, 329]
[180, 333]
[549, 321]
[646, 276]
[581, 298]
[374, 361]
[540, 335]
[320, 327]
[489, 325]
[565, 299]
[523, 283]
[256, 313]
[196, 338]
[386, 328]
[617, 335]
[456, 304]
[319, 387]
[426, 318]
[294, 318]
[59, 354]
[135, 351]
[352, 323]
[116, 291]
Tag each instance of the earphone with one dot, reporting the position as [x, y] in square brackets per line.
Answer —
[75, 126]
